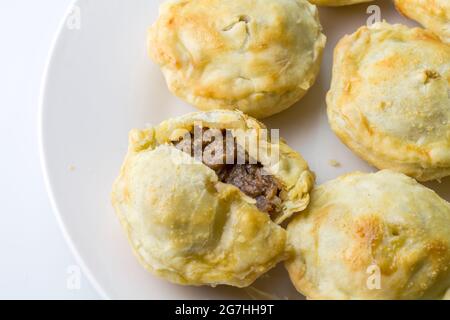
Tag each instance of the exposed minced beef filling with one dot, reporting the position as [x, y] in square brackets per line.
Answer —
[249, 178]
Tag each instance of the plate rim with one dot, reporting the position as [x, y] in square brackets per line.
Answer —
[44, 162]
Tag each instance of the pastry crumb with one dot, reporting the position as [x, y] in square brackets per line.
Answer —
[335, 163]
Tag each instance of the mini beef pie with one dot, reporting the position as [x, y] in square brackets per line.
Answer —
[433, 15]
[258, 56]
[372, 236]
[390, 99]
[201, 205]
[336, 3]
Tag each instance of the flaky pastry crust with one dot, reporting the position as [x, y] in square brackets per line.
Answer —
[389, 99]
[372, 236]
[432, 14]
[258, 56]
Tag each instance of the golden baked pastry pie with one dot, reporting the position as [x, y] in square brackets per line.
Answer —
[390, 99]
[197, 218]
[258, 56]
[432, 14]
[337, 3]
[372, 236]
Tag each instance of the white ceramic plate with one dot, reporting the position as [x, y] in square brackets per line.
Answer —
[100, 84]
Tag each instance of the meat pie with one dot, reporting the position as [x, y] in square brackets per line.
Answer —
[202, 207]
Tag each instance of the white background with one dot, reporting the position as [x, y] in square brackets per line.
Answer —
[34, 258]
